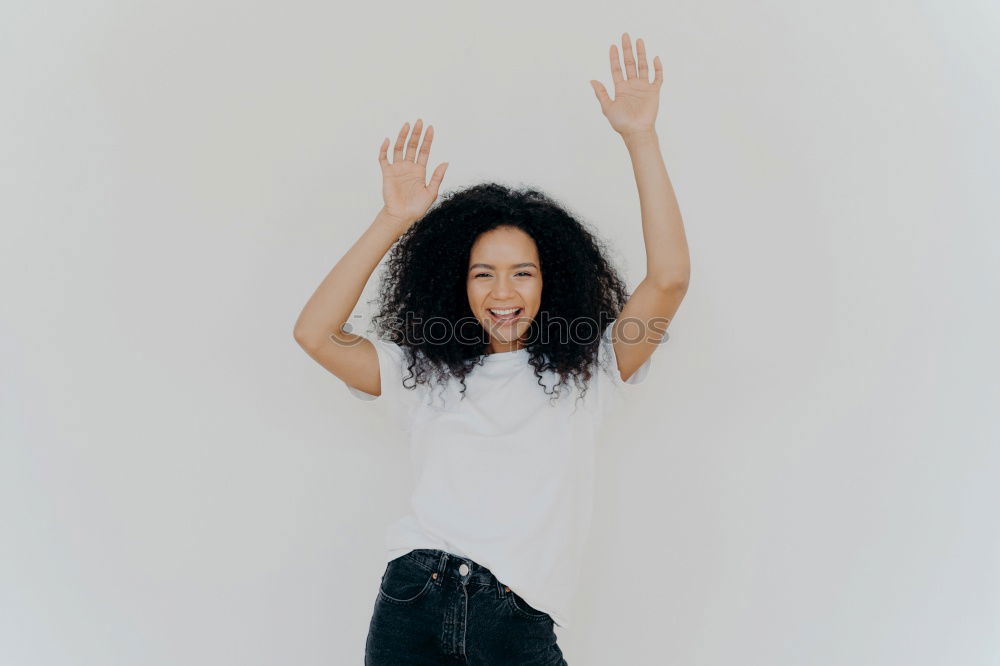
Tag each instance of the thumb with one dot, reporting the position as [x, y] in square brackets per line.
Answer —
[601, 93]
[437, 177]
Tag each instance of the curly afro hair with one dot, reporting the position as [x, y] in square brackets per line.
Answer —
[425, 280]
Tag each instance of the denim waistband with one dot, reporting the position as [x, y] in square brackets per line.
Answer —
[448, 566]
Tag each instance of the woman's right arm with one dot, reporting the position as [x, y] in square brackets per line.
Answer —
[319, 328]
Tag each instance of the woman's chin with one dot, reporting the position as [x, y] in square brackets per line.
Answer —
[502, 332]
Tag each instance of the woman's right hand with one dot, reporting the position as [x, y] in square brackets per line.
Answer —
[406, 196]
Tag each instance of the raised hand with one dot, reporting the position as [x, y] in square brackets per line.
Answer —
[636, 98]
[406, 196]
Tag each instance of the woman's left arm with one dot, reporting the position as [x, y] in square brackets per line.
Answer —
[648, 312]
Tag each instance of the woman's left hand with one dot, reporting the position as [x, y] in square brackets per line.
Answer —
[633, 110]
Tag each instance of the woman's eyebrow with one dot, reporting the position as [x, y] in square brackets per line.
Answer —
[522, 265]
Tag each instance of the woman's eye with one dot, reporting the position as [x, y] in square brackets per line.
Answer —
[487, 274]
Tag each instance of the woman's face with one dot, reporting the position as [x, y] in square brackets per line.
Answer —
[504, 272]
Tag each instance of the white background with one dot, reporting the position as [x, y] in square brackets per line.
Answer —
[809, 477]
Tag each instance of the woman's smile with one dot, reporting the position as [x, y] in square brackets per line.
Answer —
[504, 315]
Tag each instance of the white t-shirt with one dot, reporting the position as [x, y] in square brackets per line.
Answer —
[502, 477]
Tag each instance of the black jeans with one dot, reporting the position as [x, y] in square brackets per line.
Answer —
[434, 608]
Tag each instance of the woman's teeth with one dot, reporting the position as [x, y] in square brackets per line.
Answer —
[504, 315]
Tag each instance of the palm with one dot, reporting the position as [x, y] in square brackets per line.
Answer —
[637, 99]
[406, 195]
[403, 188]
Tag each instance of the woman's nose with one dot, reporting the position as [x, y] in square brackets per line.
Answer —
[501, 289]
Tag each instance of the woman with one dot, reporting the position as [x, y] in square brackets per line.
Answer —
[503, 336]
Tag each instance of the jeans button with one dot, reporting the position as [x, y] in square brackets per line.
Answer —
[464, 569]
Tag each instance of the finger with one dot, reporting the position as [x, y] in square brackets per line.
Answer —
[602, 94]
[616, 70]
[397, 150]
[411, 147]
[425, 149]
[640, 48]
[658, 76]
[629, 58]
[382, 159]
[437, 177]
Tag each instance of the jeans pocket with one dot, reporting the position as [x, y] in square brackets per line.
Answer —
[404, 581]
[521, 607]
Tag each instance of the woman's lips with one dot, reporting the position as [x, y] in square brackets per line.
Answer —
[506, 318]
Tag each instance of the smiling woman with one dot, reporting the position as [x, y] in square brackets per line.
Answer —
[504, 299]
[515, 249]
[502, 409]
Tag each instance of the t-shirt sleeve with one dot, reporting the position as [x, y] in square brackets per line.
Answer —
[611, 378]
[396, 400]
